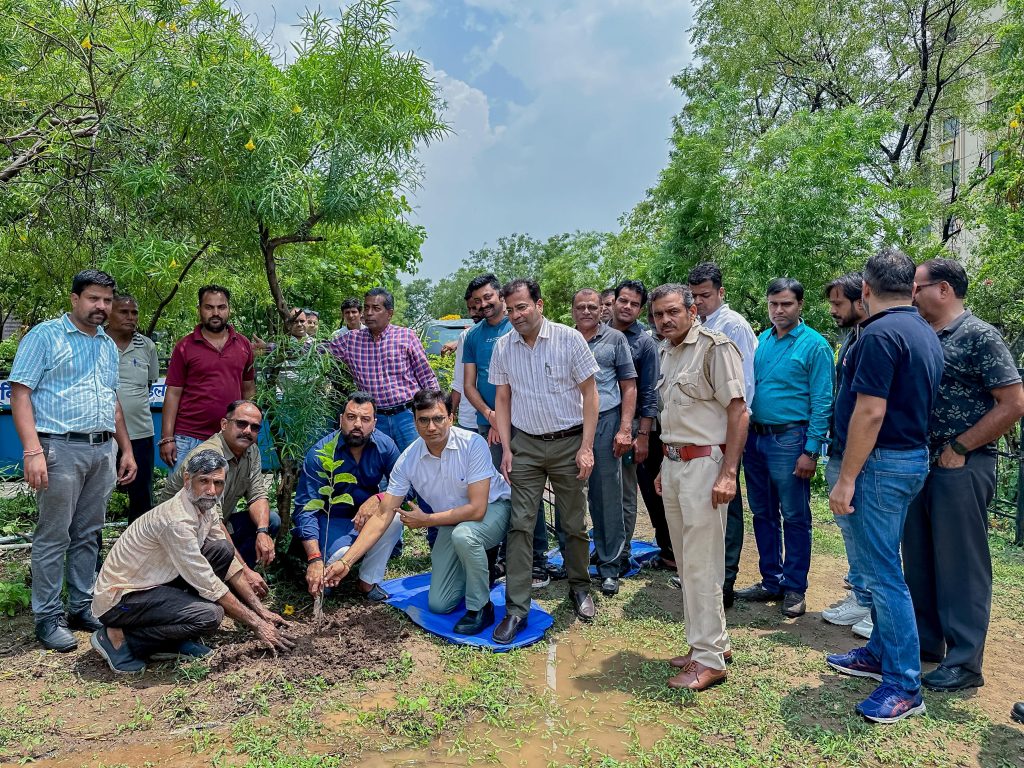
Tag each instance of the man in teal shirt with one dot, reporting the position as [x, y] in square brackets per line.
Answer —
[789, 420]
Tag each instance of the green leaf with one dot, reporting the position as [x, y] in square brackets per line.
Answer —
[314, 504]
[343, 498]
[325, 490]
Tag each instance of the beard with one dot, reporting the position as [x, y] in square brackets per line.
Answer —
[202, 503]
[355, 439]
[214, 324]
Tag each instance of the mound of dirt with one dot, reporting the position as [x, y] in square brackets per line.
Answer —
[352, 638]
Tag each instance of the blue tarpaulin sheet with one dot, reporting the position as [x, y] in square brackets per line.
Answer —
[409, 595]
[643, 552]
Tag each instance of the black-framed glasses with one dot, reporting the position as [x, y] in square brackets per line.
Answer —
[242, 424]
[925, 285]
[437, 421]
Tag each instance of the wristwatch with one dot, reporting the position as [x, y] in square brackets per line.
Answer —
[263, 529]
[811, 454]
[958, 447]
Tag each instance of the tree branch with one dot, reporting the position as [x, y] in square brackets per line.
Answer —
[181, 276]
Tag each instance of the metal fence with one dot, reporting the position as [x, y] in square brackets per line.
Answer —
[1009, 501]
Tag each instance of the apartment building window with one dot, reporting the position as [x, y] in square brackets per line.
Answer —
[950, 128]
[993, 158]
[951, 173]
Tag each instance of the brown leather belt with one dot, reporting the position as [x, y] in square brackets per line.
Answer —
[687, 452]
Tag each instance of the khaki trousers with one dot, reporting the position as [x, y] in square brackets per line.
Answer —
[697, 530]
[535, 462]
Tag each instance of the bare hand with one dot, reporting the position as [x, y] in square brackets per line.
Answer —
[273, 638]
[414, 517]
[169, 453]
[35, 472]
[257, 343]
[449, 348]
[950, 459]
[506, 465]
[640, 449]
[657, 484]
[724, 489]
[128, 469]
[585, 462]
[315, 577]
[493, 437]
[841, 498]
[256, 583]
[805, 467]
[369, 508]
[622, 444]
[335, 572]
[264, 549]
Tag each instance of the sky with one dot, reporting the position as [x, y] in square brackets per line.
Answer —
[560, 111]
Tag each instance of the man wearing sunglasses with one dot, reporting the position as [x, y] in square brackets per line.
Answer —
[254, 529]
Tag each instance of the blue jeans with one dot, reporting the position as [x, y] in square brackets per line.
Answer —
[184, 444]
[243, 534]
[400, 427]
[781, 507]
[855, 577]
[888, 483]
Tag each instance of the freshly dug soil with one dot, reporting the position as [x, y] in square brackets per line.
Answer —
[353, 637]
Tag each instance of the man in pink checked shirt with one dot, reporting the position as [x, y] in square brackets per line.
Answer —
[387, 361]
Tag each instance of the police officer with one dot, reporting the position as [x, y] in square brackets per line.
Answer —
[704, 429]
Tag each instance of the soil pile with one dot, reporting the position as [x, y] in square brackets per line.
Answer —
[352, 638]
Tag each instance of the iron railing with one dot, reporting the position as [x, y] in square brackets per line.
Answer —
[1008, 502]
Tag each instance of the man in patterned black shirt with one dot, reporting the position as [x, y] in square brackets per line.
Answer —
[945, 537]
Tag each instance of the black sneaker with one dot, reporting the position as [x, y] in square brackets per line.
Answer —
[793, 604]
[556, 572]
[540, 578]
[54, 634]
[84, 621]
[757, 593]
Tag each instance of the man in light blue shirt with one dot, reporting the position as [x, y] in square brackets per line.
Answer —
[64, 401]
[709, 297]
[450, 471]
[789, 421]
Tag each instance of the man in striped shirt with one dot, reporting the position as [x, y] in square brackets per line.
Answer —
[546, 405]
[63, 397]
[387, 361]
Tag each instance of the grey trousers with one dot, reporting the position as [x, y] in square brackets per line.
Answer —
[947, 563]
[458, 560]
[534, 463]
[72, 509]
[604, 492]
[159, 619]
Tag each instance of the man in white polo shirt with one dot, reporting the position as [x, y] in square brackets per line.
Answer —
[546, 405]
[449, 470]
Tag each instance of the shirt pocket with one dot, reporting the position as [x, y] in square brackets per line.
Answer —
[688, 388]
[557, 378]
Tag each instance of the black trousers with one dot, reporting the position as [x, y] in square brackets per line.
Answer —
[140, 490]
[947, 563]
[159, 619]
[733, 538]
[646, 472]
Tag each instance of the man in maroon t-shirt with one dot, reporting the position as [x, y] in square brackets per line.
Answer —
[210, 369]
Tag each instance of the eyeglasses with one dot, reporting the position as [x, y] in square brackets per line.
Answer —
[925, 285]
[242, 424]
[437, 421]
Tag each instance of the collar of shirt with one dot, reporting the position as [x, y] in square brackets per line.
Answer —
[451, 445]
[70, 327]
[796, 333]
[543, 333]
[636, 329]
[197, 335]
[228, 454]
[906, 308]
[957, 322]
[710, 318]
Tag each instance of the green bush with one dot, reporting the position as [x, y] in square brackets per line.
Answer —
[14, 597]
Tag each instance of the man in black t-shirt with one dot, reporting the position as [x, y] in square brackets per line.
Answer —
[890, 381]
[945, 537]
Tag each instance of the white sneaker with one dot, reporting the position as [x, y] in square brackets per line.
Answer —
[864, 627]
[846, 612]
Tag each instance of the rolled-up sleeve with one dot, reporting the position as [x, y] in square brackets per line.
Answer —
[184, 552]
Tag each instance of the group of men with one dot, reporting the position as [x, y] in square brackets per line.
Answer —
[908, 412]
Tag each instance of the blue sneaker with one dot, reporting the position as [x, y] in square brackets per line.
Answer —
[889, 704]
[120, 659]
[857, 662]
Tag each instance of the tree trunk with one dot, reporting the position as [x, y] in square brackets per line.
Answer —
[287, 478]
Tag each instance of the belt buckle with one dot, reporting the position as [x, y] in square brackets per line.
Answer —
[95, 438]
[672, 452]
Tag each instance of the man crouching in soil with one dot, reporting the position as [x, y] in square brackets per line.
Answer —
[171, 577]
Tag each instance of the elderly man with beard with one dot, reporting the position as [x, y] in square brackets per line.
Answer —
[172, 576]
[254, 529]
[364, 458]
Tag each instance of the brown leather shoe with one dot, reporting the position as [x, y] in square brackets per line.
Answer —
[696, 677]
[681, 661]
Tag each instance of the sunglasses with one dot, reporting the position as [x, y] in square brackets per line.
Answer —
[242, 424]
[437, 421]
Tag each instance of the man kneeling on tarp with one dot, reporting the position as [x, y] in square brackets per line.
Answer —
[451, 472]
[163, 584]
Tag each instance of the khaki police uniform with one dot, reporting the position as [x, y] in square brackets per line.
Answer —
[699, 378]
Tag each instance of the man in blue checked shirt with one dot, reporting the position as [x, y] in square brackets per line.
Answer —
[64, 402]
[789, 420]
